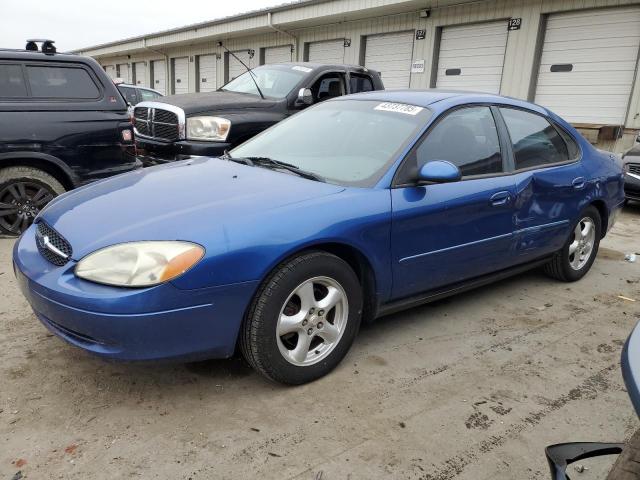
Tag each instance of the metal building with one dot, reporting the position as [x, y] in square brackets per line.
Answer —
[577, 57]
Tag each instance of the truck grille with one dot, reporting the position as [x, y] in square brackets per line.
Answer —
[48, 241]
[634, 168]
[157, 123]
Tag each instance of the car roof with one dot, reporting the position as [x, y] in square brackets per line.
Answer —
[39, 56]
[426, 98]
[318, 66]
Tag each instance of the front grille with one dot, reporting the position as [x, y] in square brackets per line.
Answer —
[157, 123]
[634, 168]
[56, 240]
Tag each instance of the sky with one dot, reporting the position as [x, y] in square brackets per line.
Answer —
[75, 24]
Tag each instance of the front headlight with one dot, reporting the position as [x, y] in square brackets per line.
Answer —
[214, 129]
[139, 264]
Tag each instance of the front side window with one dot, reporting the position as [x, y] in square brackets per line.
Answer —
[328, 86]
[273, 82]
[347, 142]
[468, 138]
[535, 141]
[61, 82]
[360, 83]
[12, 82]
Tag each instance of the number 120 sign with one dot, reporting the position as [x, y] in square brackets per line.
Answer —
[515, 23]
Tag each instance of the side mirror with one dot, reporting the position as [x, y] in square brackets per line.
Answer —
[439, 171]
[305, 97]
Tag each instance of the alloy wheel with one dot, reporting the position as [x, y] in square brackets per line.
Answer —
[312, 321]
[581, 248]
[20, 202]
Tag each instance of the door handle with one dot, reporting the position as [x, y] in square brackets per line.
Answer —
[578, 183]
[500, 198]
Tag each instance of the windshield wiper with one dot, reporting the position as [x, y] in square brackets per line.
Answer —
[271, 163]
[245, 161]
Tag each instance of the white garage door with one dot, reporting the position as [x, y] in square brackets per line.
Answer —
[180, 75]
[158, 76]
[471, 57]
[140, 74]
[111, 71]
[327, 52]
[207, 73]
[235, 67]
[277, 54]
[123, 72]
[588, 64]
[391, 54]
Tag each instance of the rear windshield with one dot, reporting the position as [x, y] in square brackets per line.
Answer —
[61, 82]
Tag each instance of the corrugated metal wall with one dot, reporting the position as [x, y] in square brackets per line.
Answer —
[521, 55]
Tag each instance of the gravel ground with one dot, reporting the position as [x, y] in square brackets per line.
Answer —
[472, 387]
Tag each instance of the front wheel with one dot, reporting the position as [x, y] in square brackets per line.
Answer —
[576, 257]
[303, 319]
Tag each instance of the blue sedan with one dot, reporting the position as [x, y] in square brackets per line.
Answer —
[355, 208]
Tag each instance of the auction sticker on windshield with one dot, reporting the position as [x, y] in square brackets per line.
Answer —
[399, 108]
[301, 69]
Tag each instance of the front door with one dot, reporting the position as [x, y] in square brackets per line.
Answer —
[445, 233]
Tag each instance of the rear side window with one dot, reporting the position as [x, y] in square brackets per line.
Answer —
[572, 146]
[360, 83]
[535, 141]
[61, 82]
[12, 81]
[468, 138]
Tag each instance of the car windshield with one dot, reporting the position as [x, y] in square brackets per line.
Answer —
[273, 82]
[347, 142]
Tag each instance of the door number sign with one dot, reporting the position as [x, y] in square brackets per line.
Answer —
[514, 24]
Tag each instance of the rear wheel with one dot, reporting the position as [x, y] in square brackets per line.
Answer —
[576, 257]
[24, 191]
[303, 320]
[627, 467]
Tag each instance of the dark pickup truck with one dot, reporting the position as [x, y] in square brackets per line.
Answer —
[207, 124]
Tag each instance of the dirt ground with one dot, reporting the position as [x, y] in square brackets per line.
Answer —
[472, 387]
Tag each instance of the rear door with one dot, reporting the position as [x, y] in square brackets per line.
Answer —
[548, 180]
[449, 232]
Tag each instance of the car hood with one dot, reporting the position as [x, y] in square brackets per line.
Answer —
[189, 200]
[193, 103]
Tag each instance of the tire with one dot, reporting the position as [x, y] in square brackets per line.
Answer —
[627, 466]
[24, 191]
[283, 317]
[570, 267]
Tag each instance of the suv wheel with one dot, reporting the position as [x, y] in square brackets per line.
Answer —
[24, 191]
[303, 319]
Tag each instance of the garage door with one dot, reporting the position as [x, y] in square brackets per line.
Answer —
[471, 57]
[181, 75]
[235, 67]
[588, 64]
[140, 74]
[158, 76]
[207, 73]
[327, 52]
[277, 54]
[111, 71]
[123, 72]
[391, 54]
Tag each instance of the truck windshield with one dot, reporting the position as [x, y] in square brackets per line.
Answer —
[274, 82]
[346, 142]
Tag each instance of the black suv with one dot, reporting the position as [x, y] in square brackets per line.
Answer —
[180, 126]
[64, 124]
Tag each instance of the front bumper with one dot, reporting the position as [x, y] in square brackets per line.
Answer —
[152, 152]
[632, 186]
[157, 323]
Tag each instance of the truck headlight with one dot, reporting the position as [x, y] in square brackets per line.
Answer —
[213, 129]
[139, 264]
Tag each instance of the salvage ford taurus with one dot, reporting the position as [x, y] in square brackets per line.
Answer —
[355, 208]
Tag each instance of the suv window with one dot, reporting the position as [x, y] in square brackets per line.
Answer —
[129, 94]
[468, 138]
[535, 141]
[360, 83]
[328, 86]
[61, 82]
[148, 95]
[12, 82]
